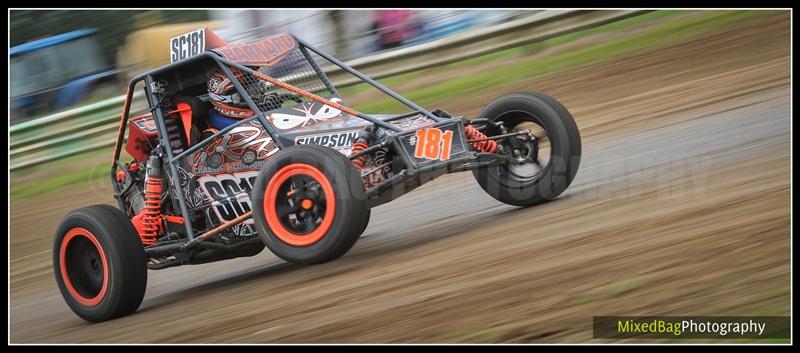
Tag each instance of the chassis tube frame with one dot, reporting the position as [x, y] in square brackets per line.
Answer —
[310, 95]
[158, 118]
[410, 171]
[368, 80]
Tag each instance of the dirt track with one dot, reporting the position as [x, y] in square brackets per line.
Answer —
[680, 207]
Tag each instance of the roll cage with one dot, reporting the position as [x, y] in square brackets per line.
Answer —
[155, 93]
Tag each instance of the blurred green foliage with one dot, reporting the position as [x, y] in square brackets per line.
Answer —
[112, 25]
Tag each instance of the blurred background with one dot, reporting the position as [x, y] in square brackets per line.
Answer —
[62, 59]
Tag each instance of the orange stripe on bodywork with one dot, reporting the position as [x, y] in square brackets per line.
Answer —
[226, 225]
[121, 130]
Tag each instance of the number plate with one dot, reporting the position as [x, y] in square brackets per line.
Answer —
[432, 144]
[187, 45]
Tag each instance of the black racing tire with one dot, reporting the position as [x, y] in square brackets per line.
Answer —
[323, 176]
[99, 263]
[564, 142]
[364, 224]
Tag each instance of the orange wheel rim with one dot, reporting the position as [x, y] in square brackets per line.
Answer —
[324, 198]
[83, 250]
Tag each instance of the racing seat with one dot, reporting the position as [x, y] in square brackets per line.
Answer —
[193, 114]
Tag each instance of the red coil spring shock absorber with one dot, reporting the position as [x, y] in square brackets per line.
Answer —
[148, 221]
[151, 213]
[360, 145]
[484, 146]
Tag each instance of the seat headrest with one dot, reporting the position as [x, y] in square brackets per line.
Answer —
[199, 108]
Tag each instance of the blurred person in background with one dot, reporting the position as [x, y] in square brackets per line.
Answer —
[394, 27]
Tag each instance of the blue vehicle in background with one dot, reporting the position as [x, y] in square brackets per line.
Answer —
[56, 72]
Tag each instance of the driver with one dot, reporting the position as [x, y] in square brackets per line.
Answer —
[228, 105]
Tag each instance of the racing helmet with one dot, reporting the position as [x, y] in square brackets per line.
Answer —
[224, 97]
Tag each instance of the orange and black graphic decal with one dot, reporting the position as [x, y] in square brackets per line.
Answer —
[265, 52]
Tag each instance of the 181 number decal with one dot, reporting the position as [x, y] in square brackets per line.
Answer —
[433, 143]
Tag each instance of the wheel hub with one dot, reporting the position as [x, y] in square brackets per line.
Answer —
[304, 205]
[299, 204]
[524, 151]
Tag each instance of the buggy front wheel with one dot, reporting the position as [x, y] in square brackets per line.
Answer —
[547, 164]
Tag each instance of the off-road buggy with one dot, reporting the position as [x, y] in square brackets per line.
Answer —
[299, 176]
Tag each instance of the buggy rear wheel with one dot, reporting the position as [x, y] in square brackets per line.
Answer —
[99, 263]
[309, 204]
